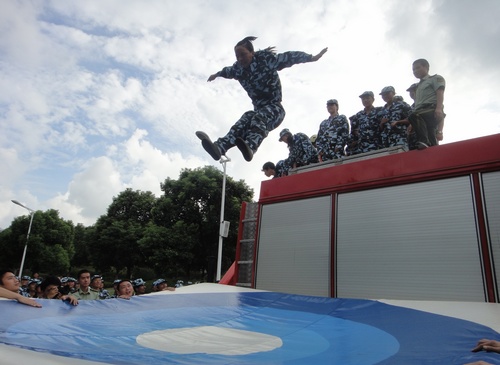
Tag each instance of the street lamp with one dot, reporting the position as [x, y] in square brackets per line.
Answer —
[224, 226]
[27, 237]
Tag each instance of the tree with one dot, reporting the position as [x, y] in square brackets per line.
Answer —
[81, 244]
[8, 247]
[50, 245]
[169, 251]
[114, 243]
[193, 201]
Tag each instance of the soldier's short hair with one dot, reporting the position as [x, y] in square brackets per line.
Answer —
[268, 166]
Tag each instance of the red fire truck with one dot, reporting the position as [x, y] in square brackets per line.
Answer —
[393, 224]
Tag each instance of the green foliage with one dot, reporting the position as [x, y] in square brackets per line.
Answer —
[50, 240]
[195, 200]
[54, 260]
[8, 247]
[169, 251]
[82, 253]
[114, 241]
[115, 244]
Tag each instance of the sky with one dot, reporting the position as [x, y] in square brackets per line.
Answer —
[98, 96]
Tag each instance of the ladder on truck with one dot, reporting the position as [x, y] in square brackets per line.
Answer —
[245, 249]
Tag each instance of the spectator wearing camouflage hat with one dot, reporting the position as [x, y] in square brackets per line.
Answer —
[25, 280]
[125, 289]
[73, 284]
[139, 286]
[97, 283]
[64, 288]
[161, 285]
[23, 290]
[68, 285]
[32, 287]
[115, 287]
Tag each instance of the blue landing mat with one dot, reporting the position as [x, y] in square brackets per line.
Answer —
[312, 330]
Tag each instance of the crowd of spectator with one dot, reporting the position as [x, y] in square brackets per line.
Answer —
[84, 287]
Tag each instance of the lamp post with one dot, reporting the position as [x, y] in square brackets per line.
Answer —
[224, 226]
[27, 237]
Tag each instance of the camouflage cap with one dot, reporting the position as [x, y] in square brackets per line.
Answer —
[158, 282]
[367, 93]
[138, 282]
[387, 89]
[283, 133]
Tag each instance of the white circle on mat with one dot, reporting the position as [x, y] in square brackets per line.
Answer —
[209, 340]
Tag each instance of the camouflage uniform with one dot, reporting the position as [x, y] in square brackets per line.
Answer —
[104, 294]
[352, 147]
[24, 292]
[262, 84]
[397, 135]
[365, 131]
[332, 135]
[301, 152]
[281, 169]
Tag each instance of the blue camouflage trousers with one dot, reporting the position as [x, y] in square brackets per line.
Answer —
[281, 169]
[253, 127]
[393, 136]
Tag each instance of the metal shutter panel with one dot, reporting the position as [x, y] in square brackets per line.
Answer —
[415, 241]
[294, 247]
[491, 189]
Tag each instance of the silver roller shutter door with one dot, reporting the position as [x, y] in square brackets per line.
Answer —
[416, 241]
[294, 247]
[491, 189]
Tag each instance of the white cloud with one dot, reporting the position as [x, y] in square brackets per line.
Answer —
[134, 163]
[94, 187]
[10, 165]
[147, 166]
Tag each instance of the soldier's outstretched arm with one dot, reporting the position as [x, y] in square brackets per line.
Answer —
[319, 55]
[213, 77]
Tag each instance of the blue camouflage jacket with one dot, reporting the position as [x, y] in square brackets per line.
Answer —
[333, 134]
[260, 80]
[302, 151]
